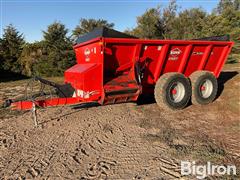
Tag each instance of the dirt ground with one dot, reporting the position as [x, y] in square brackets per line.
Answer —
[122, 141]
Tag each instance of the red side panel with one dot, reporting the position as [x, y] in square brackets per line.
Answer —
[91, 52]
[86, 79]
[117, 55]
[216, 59]
[174, 58]
[195, 59]
[149, 53]
[163, 56]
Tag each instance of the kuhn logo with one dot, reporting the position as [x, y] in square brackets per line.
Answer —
[175, 52]
[87, 52]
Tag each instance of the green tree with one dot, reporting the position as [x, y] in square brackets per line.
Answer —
[149, 25]
[225, 20]
[58, 53]
[215, 25]
[170, 29]
[11, 47]
[56, 36]
[235, 55]
[236, 4]
[87, 25]
[1, 55]
[30, 55]
[190, 23]
[223, 5]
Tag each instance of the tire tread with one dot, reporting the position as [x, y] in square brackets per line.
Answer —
[193, 79]
[159, 93]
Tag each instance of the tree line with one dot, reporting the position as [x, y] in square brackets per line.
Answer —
[54, 54]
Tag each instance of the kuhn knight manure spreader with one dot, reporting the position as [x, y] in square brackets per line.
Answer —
[113, 67]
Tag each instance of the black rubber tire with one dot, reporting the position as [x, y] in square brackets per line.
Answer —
[163, 87]
[197, 78]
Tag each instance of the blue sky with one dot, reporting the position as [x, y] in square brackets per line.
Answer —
[31, 17]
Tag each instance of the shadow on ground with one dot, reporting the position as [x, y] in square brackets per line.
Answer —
[6, 76]
[222, 79]
[77, 108]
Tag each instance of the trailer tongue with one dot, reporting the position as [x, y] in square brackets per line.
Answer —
[113, 67]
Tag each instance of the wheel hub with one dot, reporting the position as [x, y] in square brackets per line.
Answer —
[206, 88]
[177, 92]
[203, 88]
[174, 91]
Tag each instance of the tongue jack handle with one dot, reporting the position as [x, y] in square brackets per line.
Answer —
[34, 114]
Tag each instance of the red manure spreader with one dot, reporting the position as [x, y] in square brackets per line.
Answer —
[113, 67]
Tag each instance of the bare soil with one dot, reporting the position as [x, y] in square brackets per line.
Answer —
[122, 141]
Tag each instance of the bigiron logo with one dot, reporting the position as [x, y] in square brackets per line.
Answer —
[202, 171]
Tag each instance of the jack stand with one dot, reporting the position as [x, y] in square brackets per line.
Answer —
[34, 114]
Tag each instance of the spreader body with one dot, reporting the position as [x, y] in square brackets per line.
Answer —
[112, 67]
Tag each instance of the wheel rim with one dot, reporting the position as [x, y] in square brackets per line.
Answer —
[177, 92]
[206, 88]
